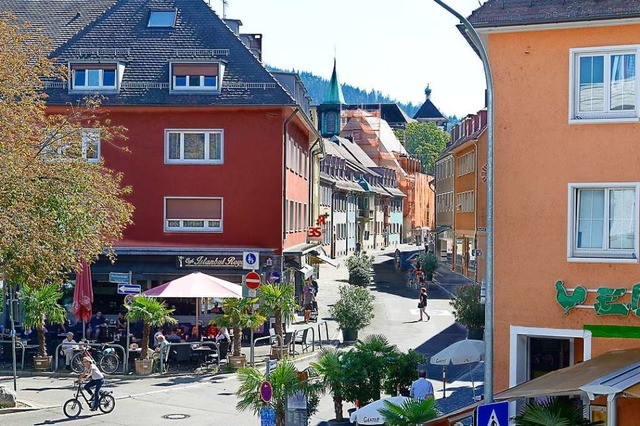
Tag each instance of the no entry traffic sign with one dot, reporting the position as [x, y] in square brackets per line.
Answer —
[252, 280]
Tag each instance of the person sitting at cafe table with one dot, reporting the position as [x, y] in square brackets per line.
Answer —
[217, 309]
[95, 325]
[162, 347]
[172, 337]
[223, 335]
[212, 331]
[121, 323]
[68, 345]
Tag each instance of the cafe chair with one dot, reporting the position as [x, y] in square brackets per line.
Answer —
[301, 339]
[180, 354]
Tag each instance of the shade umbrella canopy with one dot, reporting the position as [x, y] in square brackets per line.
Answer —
[462, 352]
[196, 285]
[83, 293]
[369, 414]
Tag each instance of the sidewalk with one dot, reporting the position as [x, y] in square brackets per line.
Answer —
[448, 280]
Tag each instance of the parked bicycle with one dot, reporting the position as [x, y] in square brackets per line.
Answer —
[105, 358]
[73, 407]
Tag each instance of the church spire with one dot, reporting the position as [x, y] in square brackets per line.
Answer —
[334, 94]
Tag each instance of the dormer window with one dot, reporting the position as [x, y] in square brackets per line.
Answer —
[162, 19]
[95, 77]
[196, 77]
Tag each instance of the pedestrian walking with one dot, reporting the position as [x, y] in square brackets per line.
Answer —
[422, 304]
[421, 389]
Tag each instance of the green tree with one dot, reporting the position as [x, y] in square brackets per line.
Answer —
[278, 300]
[153, 313]
[40, 304]
[239, 314]
[410, 413]
[331, 369]
[285, 381]
[55, 207]
[402, 372]
[425, 141]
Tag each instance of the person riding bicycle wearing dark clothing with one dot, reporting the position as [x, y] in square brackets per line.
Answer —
[97, 380]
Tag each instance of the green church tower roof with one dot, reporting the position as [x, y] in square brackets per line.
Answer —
[334, 95]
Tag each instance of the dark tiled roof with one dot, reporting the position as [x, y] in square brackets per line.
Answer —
[497, 13]
[428, 111]
[146, 52]
[390, 112]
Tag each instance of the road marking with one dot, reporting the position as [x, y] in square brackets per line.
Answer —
[434, 312]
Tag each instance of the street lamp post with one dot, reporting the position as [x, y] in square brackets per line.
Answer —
[488, 333]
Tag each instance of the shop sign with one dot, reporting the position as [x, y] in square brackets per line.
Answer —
[210, 262]
[608, 300]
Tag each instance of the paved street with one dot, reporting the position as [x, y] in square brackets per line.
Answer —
[208, 400]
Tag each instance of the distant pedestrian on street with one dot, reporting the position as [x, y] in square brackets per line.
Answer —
[421, 389]
[422, 303]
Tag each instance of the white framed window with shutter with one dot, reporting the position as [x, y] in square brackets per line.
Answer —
[194, 146]
[193, 214]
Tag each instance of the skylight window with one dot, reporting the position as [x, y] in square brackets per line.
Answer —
[162, 18]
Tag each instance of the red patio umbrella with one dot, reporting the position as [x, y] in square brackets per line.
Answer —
[83, 295]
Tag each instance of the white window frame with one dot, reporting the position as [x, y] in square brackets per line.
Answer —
[607, 255]
[85, 138]
[100, 87]
[200, 86]
[576, 117]
[205, 229]
[466, 164]
[206, 159]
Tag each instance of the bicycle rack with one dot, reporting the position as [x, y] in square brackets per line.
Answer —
[125, 364]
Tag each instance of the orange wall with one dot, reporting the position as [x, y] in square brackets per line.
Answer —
[465, 221]
[537, 153]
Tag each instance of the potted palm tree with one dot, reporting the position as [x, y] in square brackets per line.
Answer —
[239, 314]
[279, 301]
[40, 304]
[153, 313]
[402, 372]
[468, 309]
[353, 311]
[331, 368]
[411, 412]
[285, 381]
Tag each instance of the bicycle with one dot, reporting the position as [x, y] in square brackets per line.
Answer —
[107, 359]
[73, 407]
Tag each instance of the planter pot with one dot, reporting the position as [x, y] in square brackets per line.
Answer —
[144, 366]
[42, 363]
[349, 335]
[237, 361]
[276, 354]
[476, 333]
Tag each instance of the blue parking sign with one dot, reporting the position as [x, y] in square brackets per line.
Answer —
[267, 417]
[496, 414]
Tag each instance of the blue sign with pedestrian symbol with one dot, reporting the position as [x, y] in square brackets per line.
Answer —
[251, 260]
[496, 414]
[267, 417]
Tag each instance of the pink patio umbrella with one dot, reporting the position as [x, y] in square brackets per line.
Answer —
[83, 296]
[196, 286]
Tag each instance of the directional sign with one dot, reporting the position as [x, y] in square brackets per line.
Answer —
[266, 391]
[496, 414]
[267, 417]
[119, 278]
[129, 289]
[250, 260]
[252, 280]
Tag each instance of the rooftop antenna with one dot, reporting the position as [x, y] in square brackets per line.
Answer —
[225, 3]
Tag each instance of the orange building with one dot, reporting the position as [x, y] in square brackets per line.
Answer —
[567, 187]
[376, 138]
[469, 151]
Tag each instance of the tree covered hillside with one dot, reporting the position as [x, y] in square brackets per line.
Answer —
[318, 86]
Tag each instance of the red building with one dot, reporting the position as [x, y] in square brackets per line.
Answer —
[221, 153]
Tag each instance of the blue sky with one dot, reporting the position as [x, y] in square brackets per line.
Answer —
[395, 46]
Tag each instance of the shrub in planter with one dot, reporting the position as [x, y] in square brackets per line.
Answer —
[354, 309]
[554, 411]
[468, 310]
[359, 266]
[429, 264]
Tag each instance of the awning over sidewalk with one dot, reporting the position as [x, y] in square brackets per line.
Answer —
[611, 373]
[441, 228]
[307, 271]
[320, 255]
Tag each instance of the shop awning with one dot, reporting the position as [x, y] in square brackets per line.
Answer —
[307, 271]
[394, 191]
[633, 391]
[454, 416]
[326, 259]
[300, 249]
[610, 373]
[441, 228]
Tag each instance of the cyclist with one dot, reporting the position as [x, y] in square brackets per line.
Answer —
[97, 380]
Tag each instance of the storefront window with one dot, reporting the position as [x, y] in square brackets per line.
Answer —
[547, 355]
